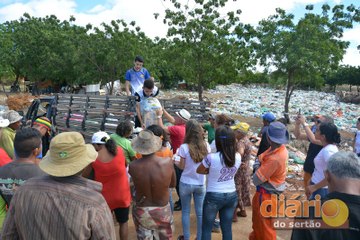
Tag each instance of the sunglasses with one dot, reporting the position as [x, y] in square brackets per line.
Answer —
[318, 121]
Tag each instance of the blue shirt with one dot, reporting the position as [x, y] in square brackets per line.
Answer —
[136, 79]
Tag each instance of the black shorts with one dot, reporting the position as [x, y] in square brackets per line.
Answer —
[122, 214]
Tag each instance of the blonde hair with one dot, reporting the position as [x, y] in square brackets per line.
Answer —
[194, 137]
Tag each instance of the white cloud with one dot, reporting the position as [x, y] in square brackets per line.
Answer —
[352, 35]
[351, 57]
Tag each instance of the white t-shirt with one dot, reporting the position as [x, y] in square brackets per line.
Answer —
[321, 161]
[213, 146]
[189, 175]
[357, 142]
[220, 177]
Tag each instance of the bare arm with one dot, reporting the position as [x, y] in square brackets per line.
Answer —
[127, 87]
[202, 169]
[297, 132]
[181, 163]
[173, 178]
[139, 114]
[312, 188]
[170, 118]
[310, 135]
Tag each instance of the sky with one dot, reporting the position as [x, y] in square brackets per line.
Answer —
[142, 11]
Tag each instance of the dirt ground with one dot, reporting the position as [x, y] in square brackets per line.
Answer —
[242, 228]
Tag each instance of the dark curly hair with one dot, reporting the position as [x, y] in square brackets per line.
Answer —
[124, 129]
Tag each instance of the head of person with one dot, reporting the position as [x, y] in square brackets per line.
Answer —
[358, 123]
[148, 87]
[159, 132]
[194, 137]
[43, 125]
[146, 143]
[27, 143]
[241, 130]
[14, 119]
[124, 129]
[277, 134]
[68, 155]
[223, 120]
[103, 143]
[323, 119]
[343, 169]
[268, 118]
[328, 133]
[138, 63]
[226, 144]
[182, 116]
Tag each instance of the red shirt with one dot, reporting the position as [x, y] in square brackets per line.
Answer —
[113, 176]
[177, 135]
[4, 158]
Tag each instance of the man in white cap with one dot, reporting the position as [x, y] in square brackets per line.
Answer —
[177, 135]
[62, 204]
[7, 134]
[152, 176]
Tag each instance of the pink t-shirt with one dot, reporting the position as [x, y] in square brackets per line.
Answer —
[177, 135]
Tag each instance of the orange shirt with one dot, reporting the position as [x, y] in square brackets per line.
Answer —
[273, 166]
[164, 152]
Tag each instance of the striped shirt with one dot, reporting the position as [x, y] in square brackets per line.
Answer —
[59, 208]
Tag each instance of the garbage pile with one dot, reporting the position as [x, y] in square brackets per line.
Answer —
[254, 101]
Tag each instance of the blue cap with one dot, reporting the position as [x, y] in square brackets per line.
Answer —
[269, 117]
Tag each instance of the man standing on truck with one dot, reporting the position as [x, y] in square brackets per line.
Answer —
[135, 77]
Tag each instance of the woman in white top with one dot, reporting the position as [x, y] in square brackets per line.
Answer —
[221, 193]
[329, 136]
[191, 153]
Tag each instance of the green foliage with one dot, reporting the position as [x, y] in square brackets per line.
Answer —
[210, 48]
[305, 51]
[344, 75]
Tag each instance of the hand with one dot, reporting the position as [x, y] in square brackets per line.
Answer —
[310, 190]
[159, 112]
[301, 119]
[143, 126]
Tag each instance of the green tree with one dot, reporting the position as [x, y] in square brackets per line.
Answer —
[307, 50]
[207, 48]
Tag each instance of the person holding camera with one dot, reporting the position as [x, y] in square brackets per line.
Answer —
[309, 135]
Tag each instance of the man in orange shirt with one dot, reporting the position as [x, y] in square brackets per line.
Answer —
[269, 178]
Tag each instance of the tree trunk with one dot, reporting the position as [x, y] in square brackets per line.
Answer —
[200, 90]
[350, 87]
[289, 90]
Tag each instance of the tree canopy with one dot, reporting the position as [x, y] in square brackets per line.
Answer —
[304, 51]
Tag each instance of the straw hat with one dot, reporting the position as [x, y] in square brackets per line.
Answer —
[4, 122]
[242, 127]
[146, 143]
[183, 114]
[12, 116]
[278, 133]
[68, 155]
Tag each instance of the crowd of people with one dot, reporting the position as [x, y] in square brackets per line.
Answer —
[74, 190]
